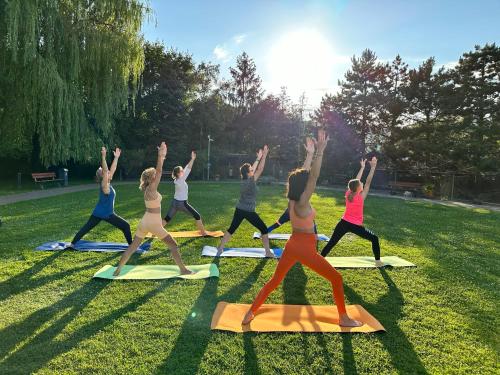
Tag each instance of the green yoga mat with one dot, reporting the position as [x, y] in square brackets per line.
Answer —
[157, 272]
[367, 262]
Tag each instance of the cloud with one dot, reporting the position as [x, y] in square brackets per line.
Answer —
[240, 38]
[450, 65]
[221, 52]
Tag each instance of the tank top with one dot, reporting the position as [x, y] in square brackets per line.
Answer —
[155, 203]
[248, 195]
[181, 187]
[106, 205]
[354, 210]
[301, 222]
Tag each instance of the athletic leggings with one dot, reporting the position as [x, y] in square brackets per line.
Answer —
[343, 227]
[183, 206]
[285, 218]
[251, 216]
[301, 247]
[114, 220]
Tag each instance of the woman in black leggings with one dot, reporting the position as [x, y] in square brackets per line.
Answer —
[245, 209]
[352, 221]
[105, 208]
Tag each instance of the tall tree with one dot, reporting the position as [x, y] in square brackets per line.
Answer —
[67, 68]
[244, 90]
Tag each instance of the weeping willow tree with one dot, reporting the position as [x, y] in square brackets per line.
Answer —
[67, 67]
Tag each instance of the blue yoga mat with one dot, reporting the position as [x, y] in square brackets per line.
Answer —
[83, 245]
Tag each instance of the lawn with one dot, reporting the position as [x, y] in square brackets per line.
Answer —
[440, 317]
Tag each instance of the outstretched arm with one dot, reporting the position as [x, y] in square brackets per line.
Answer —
[309, 146]
[366, 188]
[162, 154]
[362, 169]
[104, 166]
[315, 169]
[262, 163]
[189, 165]
[257, 161]
[114, 164]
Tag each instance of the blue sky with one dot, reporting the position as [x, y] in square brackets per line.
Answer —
[306, 45]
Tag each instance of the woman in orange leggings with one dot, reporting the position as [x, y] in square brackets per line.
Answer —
[301, 247]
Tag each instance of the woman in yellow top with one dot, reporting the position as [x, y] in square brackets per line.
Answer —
[152, 221]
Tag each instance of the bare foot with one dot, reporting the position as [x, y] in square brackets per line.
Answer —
[379, 263]
[345, 321]
[185, 271]
[219, 252]
[248, 317]
[270, 254]
[117, 271]
[205, 233]
[163, 222]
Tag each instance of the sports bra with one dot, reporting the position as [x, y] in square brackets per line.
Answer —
[301, 222]
[155, 203]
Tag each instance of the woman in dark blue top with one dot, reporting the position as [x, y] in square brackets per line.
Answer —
[105, 208]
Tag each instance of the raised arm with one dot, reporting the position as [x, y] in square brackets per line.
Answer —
[114, 164]
[189, 165]
[315, 168]
[366, 188]
[362, 169]
[257, 161]
[162, 153]
[309, 146]
[104, 166]
[262, 163]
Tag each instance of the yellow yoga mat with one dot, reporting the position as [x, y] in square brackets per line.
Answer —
[157, 272]
[291, 318]
[191, 234]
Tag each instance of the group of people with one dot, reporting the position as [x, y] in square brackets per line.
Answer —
[301, 247]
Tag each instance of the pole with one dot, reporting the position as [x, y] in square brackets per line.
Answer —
[452, 186]
[208, 158]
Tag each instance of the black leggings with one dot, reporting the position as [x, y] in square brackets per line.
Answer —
[183, 206]
[343, 227]
[252, 217]
[114, 220]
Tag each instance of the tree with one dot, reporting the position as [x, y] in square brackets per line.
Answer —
[244, 90]
[67, 68]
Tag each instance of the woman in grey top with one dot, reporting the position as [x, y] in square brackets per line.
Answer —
[245, 209]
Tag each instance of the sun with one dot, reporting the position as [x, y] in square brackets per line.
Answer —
[301, 60]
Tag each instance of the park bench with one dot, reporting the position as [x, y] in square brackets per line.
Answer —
[46, 177]
[415, 187]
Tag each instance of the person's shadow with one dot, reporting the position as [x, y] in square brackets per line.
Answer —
[194, 328]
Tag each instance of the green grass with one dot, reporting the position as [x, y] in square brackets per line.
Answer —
[441, 317]
[9, 186]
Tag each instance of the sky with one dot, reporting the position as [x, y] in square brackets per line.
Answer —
[306, 46]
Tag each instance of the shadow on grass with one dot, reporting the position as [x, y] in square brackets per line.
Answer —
[45, 346]
[25, 280]
[186, 357]
[388, 310]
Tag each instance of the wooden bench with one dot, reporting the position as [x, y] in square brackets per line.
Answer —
[46, 177]
[415, 187]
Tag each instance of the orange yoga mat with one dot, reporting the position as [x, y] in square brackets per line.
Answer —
[191, 234]
[291, 318]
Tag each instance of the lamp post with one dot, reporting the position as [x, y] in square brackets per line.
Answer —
[208, 158]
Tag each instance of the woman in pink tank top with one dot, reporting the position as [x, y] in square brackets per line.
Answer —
[352, 220]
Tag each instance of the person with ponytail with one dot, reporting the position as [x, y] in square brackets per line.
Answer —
[301, 247]
[105, 208]
[285, 216]
[352, 220]
[245, 209]
[180, 200]
[152, 221]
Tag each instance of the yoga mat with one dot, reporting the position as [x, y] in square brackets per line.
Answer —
[286, 236]
[83, 245]
[191, 234]
[367, 262]
[291, 318]
[242, 252]
[157, 272]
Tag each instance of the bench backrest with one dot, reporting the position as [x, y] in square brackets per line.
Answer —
[43, 176]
